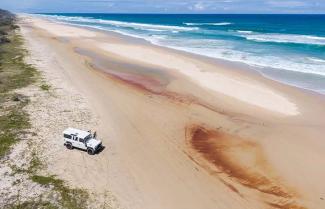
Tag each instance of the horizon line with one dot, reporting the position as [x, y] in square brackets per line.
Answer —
[146, 13]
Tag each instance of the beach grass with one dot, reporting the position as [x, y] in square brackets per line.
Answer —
[14, 74]
[45, 87]
[11, 125]
[69, 198]
[34, 204]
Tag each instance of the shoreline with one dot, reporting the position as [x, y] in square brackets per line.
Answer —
[164, 129]
[273, 75]
[224, 65]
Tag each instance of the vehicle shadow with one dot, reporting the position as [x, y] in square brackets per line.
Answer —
[96, 153]
[100, 150]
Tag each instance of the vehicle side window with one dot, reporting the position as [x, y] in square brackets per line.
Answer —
[67, 136]
[81, 140]
[75, 138]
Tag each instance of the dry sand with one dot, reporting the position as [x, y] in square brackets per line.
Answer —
[183, 131]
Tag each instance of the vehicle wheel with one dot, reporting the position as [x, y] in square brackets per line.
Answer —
[69, 146]
[90, 151]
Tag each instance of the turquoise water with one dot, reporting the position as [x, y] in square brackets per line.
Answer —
[287, 48]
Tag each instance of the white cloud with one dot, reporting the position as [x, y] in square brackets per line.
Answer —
[166, 6]
[204, 5]
[288, 4]
[198, 6]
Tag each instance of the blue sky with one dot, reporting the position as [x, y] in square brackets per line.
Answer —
[166, 6]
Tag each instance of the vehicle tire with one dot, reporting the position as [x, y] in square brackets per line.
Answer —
[69, 146]
[90, 151]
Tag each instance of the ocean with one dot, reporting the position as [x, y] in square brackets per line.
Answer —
[286, 48]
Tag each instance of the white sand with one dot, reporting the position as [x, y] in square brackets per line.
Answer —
[59, 31]
[238, 88]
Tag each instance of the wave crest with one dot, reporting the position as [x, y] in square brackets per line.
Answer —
[139, 26]
[244, 31]
[287, 38]
[148, 26]
[216, 24]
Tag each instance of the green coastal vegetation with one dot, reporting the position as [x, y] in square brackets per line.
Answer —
[15, 74]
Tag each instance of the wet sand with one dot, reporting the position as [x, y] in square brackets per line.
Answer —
[184, 131]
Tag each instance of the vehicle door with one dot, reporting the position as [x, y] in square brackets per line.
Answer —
[81, 143]
[75, 142]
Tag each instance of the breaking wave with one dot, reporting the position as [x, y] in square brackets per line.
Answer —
[139, 26]
[245, 31]
[287, 38]
[147, 26]
[217, 24]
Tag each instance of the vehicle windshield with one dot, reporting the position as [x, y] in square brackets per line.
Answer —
[87, 137]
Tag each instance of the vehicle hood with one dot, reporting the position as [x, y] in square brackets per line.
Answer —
[93, 143]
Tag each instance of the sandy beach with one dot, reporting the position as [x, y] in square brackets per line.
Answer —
[181, 131]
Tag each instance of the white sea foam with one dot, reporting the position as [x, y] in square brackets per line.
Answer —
[223, 50]
[216, 24]
[72, 18]
[245, 31]
[287, 38]
[139, 26]
[316, 60]
[148, 26]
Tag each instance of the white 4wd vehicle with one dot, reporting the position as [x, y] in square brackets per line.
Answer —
[81, 139]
